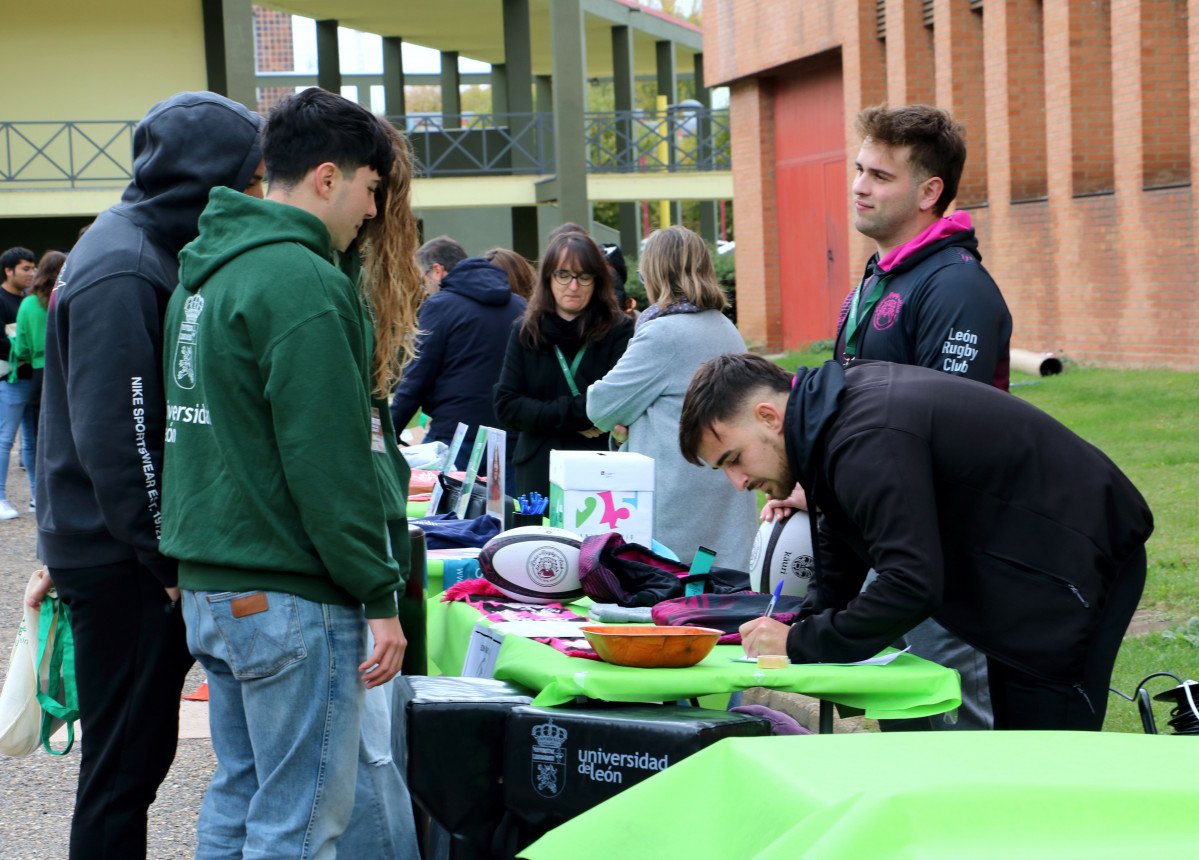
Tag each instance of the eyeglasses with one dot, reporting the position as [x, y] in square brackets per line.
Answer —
[564, 277]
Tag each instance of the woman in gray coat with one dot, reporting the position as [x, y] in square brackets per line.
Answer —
[682, 328]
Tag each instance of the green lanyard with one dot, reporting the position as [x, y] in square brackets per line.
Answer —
[852, 323]
[569, 372]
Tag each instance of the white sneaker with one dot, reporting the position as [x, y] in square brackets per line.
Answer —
[7, 511]
[32, 507]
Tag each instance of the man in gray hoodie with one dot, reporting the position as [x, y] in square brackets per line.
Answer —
[99, 461]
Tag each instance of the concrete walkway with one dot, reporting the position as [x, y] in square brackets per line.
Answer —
[37, 793]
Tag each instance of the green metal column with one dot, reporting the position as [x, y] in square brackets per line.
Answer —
[544, 85]
[570, 103]
[707, 208]
[668, 85]
[668, 78]
[499, 92]
[624, 79]
[229, 49]
[518, 65]
[451, 96]
[328, 57]
[393, 77]
[518, 56]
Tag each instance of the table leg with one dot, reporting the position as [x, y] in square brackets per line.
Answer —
[826, 717]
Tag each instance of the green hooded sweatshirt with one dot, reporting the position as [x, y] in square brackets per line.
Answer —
[281, 471]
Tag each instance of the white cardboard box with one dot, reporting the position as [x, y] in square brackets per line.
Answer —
[598, 492]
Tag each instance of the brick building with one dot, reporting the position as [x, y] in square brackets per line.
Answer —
[274, 51]
[1082, 119]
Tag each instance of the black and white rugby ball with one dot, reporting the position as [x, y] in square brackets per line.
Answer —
[534, 564]
[783, 550]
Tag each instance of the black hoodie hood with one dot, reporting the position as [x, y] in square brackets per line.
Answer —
[184, 147]
[810, 409]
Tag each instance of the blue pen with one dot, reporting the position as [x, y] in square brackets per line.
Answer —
[778, 589]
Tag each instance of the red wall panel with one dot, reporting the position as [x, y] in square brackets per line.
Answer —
[811, 191]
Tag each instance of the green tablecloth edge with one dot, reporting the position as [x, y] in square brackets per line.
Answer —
[534, 665]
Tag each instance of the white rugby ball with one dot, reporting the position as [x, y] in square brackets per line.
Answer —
[783, 550]
[534, 564]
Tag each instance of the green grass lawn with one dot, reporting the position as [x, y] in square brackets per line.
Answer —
[1147, 421]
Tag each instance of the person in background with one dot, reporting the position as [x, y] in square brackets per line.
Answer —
[613, 259]
[464, 327]
[521, 275]
[572, 334]
[29, 347]
[99, 460]
[17, 266]
[640, 399]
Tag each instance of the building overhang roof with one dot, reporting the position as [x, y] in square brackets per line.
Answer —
[475, 28]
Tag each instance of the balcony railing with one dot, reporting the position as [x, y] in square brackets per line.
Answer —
[95, 154]
[72, 155]
[480, 144]
[682, 138]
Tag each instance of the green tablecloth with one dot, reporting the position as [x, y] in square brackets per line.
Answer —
[928, 795]
[908, 687]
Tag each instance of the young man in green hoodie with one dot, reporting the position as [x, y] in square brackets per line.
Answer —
[283, 500]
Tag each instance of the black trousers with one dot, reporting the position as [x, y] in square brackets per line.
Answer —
[131, 659]
[1022, 701]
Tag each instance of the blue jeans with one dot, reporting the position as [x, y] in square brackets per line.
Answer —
[14, 397]
[382, 827]
[285, 709]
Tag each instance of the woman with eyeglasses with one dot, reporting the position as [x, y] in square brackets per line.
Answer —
[641, 399]
[572, 333]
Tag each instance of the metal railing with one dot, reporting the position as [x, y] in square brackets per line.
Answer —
[98, 154]
[480, 144]
[681, 138]
[91, 154]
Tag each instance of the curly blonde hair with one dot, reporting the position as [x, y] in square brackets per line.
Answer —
[390, 281]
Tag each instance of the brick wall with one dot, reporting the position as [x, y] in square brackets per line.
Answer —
[273, 52]
[1083, 124]
[1164, 94]
[751, 108]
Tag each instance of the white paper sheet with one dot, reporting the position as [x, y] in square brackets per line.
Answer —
[878, 660]
[534, 629]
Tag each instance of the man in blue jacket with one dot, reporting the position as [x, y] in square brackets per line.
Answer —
[465, 323]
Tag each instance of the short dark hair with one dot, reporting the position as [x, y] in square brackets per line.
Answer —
[601, 313]
[936, 139]
[442, 250]
[14, 256]
[314, 126]
[719, 390]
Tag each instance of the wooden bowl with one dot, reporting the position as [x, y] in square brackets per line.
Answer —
[650, 647]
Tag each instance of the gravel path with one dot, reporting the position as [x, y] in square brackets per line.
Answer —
[37, 794]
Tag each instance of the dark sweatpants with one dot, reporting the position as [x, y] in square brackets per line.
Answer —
[1021, 701]
[131, 659]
